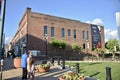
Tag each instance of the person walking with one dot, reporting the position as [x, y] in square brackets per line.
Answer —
[30, 66]
[24, 65]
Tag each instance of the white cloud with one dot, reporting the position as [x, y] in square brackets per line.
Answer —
[96, 21]
[113, 33]
[110, 34]
[7, 40]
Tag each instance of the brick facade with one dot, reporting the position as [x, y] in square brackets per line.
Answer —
[31, 32]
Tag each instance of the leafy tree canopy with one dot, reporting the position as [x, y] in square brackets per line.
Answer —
[75, 47]
[59, 43]
[111, 45]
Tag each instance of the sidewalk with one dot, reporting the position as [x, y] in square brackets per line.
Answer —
[9, 73]
[15, 74]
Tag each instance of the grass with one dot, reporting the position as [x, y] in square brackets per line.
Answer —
[98, 69]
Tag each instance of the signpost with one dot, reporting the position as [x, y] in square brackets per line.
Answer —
[2, 18]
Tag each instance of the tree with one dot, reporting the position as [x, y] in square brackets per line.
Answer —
[59, 44]
[76, 48]
[62, 44]
[101, 52]
[111, 46]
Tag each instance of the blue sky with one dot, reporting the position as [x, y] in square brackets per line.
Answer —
[91, 11]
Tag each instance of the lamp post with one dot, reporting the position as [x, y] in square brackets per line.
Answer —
[118, 25]
[46, 37]
[87, 47]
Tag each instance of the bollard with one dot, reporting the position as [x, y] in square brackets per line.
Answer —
[77, 67]
[52, 61]
[58, 61]
[108, 73]
[63, 64]
[1, 65]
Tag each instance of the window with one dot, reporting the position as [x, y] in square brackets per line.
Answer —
[75, 33]
[69, 33]
[45, 30]
[87, 35]
[63, 32]
[52, 31]
[83, 34]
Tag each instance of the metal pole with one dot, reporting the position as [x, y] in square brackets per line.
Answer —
[46, 48]
[77, 68]
[1, 72]
[46, 37]
[2, 18]
[58, 61]
[1, 65]
[108, 73]
[63, 63]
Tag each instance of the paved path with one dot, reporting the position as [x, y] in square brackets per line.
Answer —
[9, 73]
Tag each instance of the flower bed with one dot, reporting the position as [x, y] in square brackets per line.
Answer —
[72, 76]
[43, 68]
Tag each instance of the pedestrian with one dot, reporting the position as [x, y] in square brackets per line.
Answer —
[30, 66]
[24, 65]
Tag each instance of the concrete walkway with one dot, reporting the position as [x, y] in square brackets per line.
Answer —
[9, 73]
[15, 74]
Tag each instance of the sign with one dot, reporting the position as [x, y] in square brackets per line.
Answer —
[35, 52]
[96, 36]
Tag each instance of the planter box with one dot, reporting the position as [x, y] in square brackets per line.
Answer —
[17, 63]
[42, 70]
[86, 78]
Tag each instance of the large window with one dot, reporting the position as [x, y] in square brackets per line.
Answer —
[83, 34]
[75, 33]
[87, 35]
[45, 30]
[52, 31]
[63, 32]
[69, 33]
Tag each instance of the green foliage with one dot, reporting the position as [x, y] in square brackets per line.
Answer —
[62, 44]
[98, 68]
[111, 43]
[100, 50]
[75, 47]
[93, 49]
[73, 76]
[55, 43]
[43, 66]
[59, 44]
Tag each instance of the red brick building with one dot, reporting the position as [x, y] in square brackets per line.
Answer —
[33, 27]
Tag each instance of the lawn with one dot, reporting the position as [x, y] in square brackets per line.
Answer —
[98, 69]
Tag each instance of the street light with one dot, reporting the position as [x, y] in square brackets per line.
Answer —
[46, 37]
[87, 47]
[118, 25]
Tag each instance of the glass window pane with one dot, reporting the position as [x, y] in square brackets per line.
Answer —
[52, 31]
[45, 30]
[74, 33]
[63, 32]
[83, 34]
[69, 33]
[87, 35]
